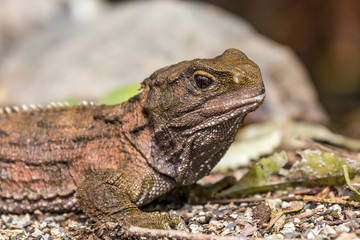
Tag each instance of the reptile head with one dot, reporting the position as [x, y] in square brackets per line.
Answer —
[196, 108]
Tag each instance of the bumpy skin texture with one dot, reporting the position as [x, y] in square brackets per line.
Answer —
[117, 158]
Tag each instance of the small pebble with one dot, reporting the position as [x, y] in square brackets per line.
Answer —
[67, 237]
[53, 225]
[353, 224]
[312, 233]
[288, 227]
[212, 228]
[275, 236]
[218, 225]
[46, 236]
[231, 226]
[296, 220]
[307, 206]
[212, 206]
[197, 208]
[290, 235]
[209, 214]
[43, 225]
[222, 208]
[342, 228]
[248, 213]
[285, 205]
[273, 203]
[350, 214]
[321, 237]
[225, 232]
[202, 213]
[55, 232]
[201, 219]
[194, 228]
[72, 224]
[36, 233]
[336, 211]
[327, 230]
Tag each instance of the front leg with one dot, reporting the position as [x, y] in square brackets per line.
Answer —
[107, 195]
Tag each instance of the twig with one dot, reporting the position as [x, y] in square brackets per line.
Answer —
[337, 222]
[133, 231]
[350, 186]
[306, 214]
[330, 200]
[246, 200]
[305, 191]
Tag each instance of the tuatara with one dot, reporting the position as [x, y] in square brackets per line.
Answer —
[109, 160]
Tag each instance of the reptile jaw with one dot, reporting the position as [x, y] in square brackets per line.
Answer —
[232, 110]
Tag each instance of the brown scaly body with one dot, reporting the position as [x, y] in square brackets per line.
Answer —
[116, 158]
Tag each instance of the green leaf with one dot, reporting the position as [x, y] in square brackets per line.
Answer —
[258, 174]
[120, 95]
[322, 168]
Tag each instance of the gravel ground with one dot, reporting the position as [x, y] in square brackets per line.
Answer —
[318, 214]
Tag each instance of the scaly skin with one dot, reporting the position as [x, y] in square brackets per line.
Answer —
[117, 158]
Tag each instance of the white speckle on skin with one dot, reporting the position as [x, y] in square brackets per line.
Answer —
[236, 79]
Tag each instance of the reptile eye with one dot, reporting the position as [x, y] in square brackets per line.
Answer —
[203, 82]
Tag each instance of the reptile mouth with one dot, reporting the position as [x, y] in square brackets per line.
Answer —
[229, 110]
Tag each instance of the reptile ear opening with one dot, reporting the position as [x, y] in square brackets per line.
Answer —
[203, 80]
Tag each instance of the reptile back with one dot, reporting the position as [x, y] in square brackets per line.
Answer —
[46, 153]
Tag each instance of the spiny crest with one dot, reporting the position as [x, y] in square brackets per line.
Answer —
[39, 107]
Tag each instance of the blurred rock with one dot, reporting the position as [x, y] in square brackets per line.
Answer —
[127, 43]
[20, 19]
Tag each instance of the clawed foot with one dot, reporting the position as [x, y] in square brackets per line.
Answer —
[151, 219]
